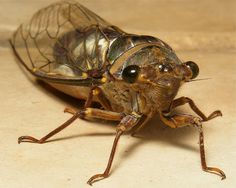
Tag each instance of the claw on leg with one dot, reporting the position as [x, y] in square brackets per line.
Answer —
[216, 171]
[214, 114]
[96, 177]
[28, 139]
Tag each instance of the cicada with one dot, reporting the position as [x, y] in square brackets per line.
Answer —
[133, 77]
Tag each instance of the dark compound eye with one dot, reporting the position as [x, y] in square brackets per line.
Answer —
[193, 67]
[130, 73]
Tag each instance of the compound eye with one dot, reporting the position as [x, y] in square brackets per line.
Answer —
[193, 67]
[130, 73]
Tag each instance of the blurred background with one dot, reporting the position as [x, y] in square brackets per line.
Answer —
[200, 30]
[186, 24]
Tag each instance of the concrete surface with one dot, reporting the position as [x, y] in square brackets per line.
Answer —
[203, 31]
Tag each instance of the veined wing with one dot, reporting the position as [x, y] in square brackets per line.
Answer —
[46, 44]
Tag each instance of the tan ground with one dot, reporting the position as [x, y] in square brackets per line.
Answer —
[203, 31]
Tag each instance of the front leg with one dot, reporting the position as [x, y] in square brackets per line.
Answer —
[185, 100]
[213, 170]
[126, 124]
[176, 121]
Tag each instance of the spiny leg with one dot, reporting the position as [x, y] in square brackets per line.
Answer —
[87, 113]
[126, 124]
[179, 120]
[183, 100]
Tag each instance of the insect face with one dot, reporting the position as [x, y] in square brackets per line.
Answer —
[156, 73]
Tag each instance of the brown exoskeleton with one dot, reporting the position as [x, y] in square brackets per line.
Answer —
[133, 77]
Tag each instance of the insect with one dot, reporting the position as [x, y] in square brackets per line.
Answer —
[133, 77]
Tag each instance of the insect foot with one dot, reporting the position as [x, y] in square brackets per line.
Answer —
[96, 178]
[29, 139]
[214, 114]
[44, 139]
[216, 171]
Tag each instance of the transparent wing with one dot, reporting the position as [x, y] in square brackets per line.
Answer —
[46, 45]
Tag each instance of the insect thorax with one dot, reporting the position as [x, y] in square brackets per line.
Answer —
[144, 52]
[94, 49]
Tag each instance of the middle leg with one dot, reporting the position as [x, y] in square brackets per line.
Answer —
[94, 92]
[126, 124]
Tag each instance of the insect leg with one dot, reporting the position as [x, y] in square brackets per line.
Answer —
[89, 100]
[180, 120]
[183, 100]
[95, 91]
[140, 125]
[87, 104]
[176, 121]
[83, 114]
[126, 124]
[102, 99]
[213, 170]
